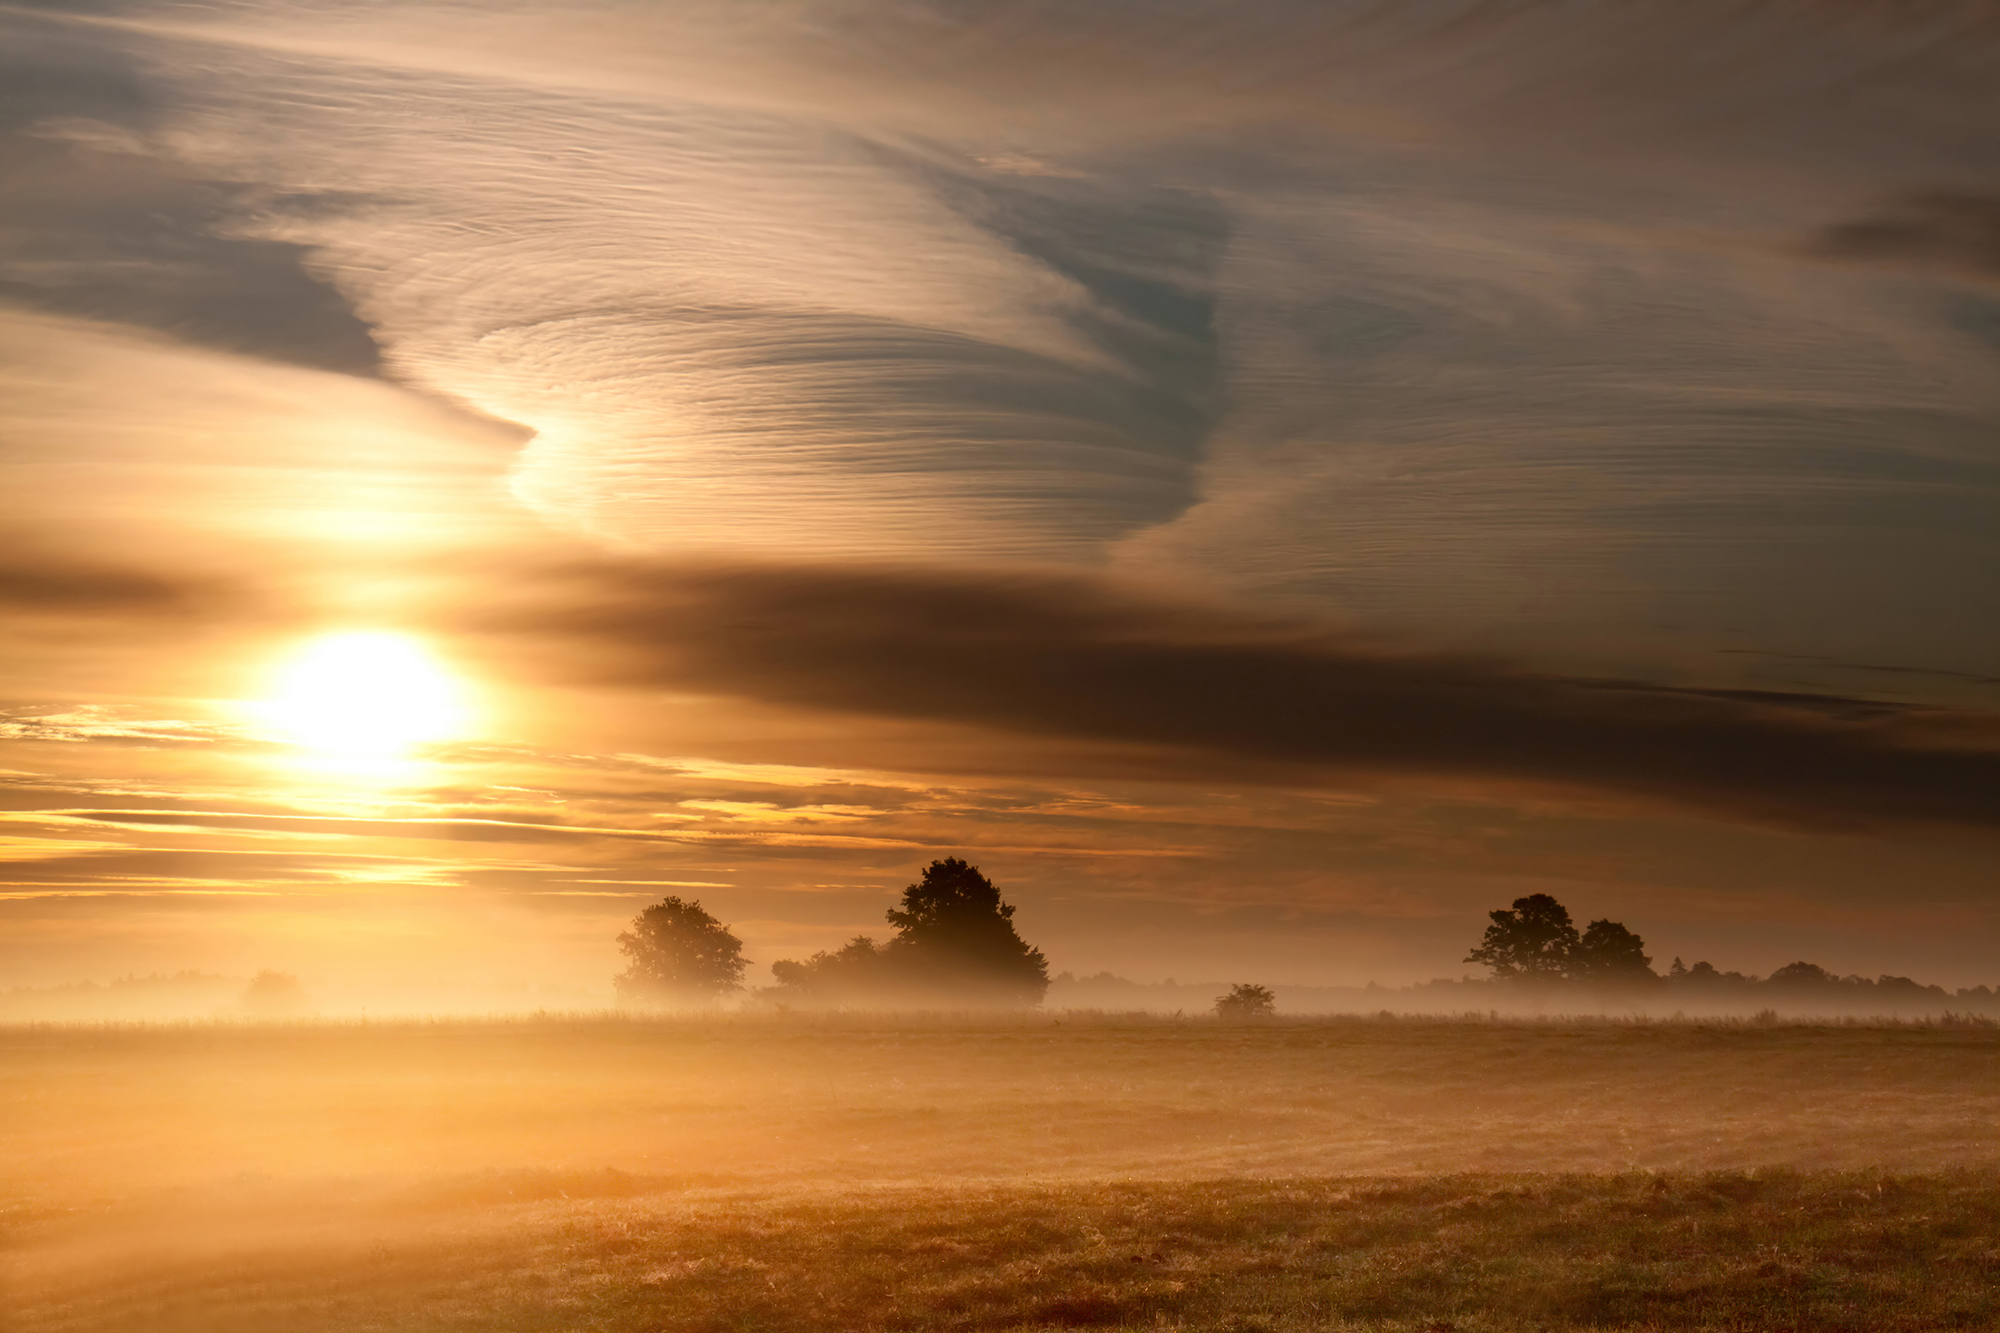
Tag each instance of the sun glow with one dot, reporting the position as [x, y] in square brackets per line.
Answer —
[367, 694]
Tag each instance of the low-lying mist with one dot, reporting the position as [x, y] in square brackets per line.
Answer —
[1800, 992]
[273, 1170]
[122, 1111]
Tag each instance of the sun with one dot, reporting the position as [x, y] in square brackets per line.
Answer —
[365, 694]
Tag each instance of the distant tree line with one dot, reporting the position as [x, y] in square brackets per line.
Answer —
[956, 946]
[1811, 980]
[1535, 942]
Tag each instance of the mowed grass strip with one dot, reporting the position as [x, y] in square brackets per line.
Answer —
[1721, 1251]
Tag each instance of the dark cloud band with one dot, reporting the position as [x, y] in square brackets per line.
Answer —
[63, 587]
[1948, 229]
[1083, 660]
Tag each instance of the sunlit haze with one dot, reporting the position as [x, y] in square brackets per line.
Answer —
[1268, 482]
[994, 666]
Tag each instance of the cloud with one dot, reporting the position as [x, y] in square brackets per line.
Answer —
[1958, 231]
[1069, 657]
[63, 586]
[102, 221]
[717, 321]
[119, 869]
[819, 276]
[463, 830]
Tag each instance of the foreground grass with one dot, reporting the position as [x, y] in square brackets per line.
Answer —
[709, 1175]
[1720, 1251]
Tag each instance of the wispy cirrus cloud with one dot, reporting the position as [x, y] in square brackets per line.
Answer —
[104, 220]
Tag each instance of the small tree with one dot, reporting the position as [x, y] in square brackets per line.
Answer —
[1245, 1003]
[1533, 940]
[678, 952]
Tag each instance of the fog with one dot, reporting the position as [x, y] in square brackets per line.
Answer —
[251, 1174]
[212, 1000]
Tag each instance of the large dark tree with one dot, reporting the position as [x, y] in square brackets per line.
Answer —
[679, 954]
[955, 944]
[1532, 940]
[1608, 952]
[1535, 940]
[954, 934]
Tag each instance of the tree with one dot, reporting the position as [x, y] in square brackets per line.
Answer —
[1245, 1003]
[955, 934]
[1801, 975]
[855, 971]
[1703, 975]
[678, 952]
[1533, 940]
[1608, 952]
[955, 943]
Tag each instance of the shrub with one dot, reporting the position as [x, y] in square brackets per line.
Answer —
[1246, 1003]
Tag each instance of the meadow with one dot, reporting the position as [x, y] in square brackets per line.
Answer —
[957, 1173]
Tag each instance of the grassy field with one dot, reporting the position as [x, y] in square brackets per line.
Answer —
[802, 1173]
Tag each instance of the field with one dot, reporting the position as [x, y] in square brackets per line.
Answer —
[803, 1173]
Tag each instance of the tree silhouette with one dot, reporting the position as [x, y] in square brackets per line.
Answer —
[1608, 952]
[1532, 940]
[955, 943]
[857, 970]
[678, 952]
[1801, 974]
[1535, 940]
[1246, 1002]
[955, 934]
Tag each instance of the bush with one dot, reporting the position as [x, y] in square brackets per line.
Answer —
[1246, 1003]
[274, 995]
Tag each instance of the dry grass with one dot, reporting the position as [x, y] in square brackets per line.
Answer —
[908, 1175]
[1727, 1251]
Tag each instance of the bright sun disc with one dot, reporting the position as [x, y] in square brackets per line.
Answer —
[365, 692]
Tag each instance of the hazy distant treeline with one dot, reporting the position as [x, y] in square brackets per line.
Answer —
[1795, 990]
[164, 995]
[160, 995]
[956, 949]
[1798, 990]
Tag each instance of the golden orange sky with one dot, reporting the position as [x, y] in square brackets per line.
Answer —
[1268, 482]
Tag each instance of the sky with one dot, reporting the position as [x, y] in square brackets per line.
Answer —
[1268, 481]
